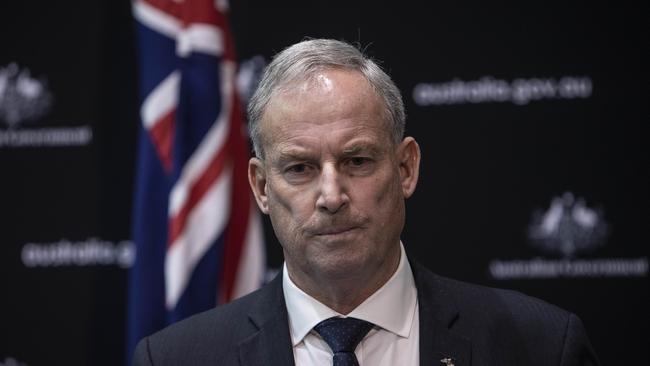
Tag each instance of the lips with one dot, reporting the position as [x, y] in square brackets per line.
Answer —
[335, 230]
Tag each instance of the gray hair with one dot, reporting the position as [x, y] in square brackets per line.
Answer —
[302, 60]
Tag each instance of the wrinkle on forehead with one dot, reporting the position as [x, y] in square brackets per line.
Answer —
[329, 90]
[344, 143]
[324, 98]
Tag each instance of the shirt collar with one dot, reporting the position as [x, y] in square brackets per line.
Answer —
[392, 307]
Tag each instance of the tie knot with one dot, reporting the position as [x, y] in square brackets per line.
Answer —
[343, 334]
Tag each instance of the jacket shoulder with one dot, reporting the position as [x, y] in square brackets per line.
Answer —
[505, 326]
[206, 338]
[505, 310]
[499, 302]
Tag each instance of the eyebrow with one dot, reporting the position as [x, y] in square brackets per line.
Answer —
[358, 147]
[292, 154]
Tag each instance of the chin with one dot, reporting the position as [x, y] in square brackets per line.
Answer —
[346, 265]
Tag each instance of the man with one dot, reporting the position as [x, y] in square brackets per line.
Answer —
[333, 171]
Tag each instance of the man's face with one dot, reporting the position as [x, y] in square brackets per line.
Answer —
[333, 181]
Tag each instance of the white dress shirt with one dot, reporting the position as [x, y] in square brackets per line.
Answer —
[393, 309]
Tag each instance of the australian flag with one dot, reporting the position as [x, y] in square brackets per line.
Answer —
[197, 232]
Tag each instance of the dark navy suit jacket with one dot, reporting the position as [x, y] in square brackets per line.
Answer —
[472, 325]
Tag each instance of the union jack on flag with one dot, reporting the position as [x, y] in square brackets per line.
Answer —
[197, 232]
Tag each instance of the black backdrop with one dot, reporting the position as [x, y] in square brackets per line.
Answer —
[524, 113]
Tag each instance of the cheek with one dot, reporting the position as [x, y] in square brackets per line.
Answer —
[385, 202]
[288, 208]
[387, 190]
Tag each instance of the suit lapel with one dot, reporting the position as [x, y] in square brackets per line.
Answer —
[271, 344]
[438, 313]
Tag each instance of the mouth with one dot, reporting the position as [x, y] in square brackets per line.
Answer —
[335, 231]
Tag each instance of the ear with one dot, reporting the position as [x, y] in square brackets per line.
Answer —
[257, 180]
[408, 153]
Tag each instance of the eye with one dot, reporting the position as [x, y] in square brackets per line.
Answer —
[299, 173]
[358, 161]
[360, 165]
[297, 168]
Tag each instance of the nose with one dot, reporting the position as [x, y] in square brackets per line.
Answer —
[332, 192]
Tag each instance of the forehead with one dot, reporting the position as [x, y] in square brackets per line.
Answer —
[330, 102]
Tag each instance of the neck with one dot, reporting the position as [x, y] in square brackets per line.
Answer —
[346, 293]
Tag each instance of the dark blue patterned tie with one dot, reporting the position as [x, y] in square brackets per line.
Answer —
[343, 335]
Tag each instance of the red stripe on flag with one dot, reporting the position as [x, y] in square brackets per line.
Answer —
[170, 7]
[197, 191]
[162, 135]
[203, 11]
[235, 234]
[197, 11]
